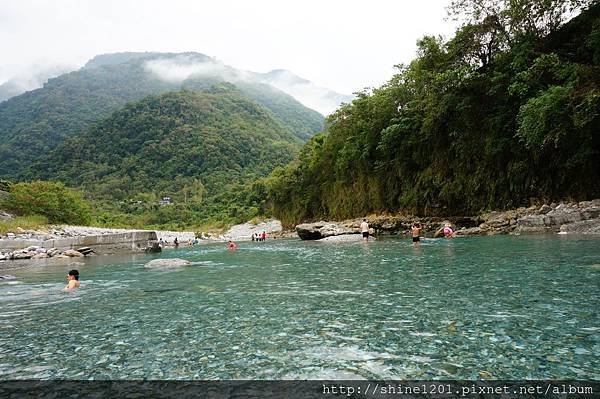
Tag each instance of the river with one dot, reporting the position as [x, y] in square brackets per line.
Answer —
[503, 307]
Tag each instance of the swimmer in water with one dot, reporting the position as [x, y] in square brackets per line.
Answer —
[231, 245]
[73, 278]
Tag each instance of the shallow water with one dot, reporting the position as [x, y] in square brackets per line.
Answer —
[495, 307]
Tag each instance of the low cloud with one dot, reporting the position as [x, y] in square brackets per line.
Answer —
[178, 69]
[318, 98]
[29, 78]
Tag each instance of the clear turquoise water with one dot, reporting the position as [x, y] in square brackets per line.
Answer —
[492, 307]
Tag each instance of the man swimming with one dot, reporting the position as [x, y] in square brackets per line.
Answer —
[73, 278]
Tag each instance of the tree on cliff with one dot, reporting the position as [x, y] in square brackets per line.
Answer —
[505, 111]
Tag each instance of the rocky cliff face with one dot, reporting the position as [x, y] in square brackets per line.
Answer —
[582, 217]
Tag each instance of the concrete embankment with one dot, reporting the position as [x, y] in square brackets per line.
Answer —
[105, 243]
[14, 249]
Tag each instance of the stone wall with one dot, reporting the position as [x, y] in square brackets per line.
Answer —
[107, 243]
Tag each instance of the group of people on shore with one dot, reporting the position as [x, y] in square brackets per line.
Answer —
[259, 236]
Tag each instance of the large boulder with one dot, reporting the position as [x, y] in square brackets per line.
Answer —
[560, 217]
[318, 230]
[53, 252]
[85, 251]
[72, 253]
[345, 238]
[244, 231]
[471, 231]
[584, 227]
[22, 255]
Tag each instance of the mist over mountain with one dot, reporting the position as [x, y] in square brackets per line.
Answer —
[316, 97]
[177, 67]
[180, 67]
[29, 79]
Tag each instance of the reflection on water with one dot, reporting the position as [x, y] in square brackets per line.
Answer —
[505, 307]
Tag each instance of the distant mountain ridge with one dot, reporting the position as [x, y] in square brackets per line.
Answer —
[29, 79]
[318, 98]
[35, 122]
[119, 58]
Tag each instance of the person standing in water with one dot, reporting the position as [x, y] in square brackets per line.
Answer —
[73, 279]
[416, 233]
[448, 232]
[176, 243]
[364, 229]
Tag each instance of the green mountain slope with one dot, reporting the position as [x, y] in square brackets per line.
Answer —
[167, 144]
[35, 122]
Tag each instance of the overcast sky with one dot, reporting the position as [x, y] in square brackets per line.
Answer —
[342, 45]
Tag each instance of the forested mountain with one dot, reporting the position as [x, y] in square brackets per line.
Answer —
[164, 142]
[37, 121]
[198, 148]
[505, 112]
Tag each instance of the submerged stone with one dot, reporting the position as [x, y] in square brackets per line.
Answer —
[174, 262]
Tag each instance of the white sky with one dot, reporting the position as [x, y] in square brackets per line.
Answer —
[342, 45]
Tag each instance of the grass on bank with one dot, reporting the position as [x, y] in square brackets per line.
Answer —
[31, 222]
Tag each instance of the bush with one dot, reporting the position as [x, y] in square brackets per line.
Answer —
[56, 202]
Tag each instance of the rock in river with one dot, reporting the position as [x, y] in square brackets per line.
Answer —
[175, 262]
[72, 253]
[318, 230]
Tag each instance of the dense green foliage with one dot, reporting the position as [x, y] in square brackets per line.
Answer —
[53, 201]
[35, 122]
[201, 149]
[506, 111]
